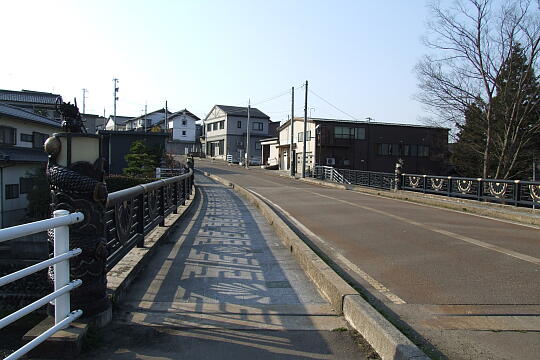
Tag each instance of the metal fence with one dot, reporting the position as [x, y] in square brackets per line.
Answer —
[378, 180]
[132, 213]
[510, 192]
[63, 316]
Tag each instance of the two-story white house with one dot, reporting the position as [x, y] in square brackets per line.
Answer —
[183, 130]
[225, 132]
[22, 135]
[284, 148]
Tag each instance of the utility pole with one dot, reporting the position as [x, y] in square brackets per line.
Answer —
[305, 131]
[369, 120]
[145, 113]
[247, 135]
[116, 88]
[166, 117]
[291, 158]
[84, 100]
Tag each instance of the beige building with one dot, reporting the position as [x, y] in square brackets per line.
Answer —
[283, 147]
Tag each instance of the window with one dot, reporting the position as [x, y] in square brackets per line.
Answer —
[343, 132]
[388, 149]
[423, 151]
[414, 150]
[406, 150]
[239, 124]
[215, 126]
[27, 138]
[209, 127]
[257, 126]
[360, 133]
[222, 124]
[12, 191]
[39, 139]
[257, 146]
[184, 122]
[26, 185]
[301, 136]
[8, 135]
[183, 132]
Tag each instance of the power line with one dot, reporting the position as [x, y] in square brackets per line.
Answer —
[273, 97]
[332, 105]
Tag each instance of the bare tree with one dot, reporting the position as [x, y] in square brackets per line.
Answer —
[471, 42]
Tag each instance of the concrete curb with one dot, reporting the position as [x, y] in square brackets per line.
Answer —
[120, 277]
[500, 211]
[384, 337]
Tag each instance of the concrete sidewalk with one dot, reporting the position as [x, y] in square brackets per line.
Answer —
[224, 286]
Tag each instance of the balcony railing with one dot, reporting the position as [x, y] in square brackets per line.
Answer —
[63, 316]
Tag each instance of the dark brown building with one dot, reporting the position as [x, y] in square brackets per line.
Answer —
[377, 146]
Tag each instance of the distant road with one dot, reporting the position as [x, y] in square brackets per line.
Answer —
[467, 284]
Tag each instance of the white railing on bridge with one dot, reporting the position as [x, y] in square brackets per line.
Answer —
[63, 316]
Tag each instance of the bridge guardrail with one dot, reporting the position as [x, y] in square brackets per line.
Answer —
[510, 192]
[62, 285]
[134, 212]
[374, 179]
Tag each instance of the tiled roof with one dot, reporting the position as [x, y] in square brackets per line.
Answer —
[28, 96]
[242, 111]
[19, 154]
[18, 113]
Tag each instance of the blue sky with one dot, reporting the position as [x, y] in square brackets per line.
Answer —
[358, 55]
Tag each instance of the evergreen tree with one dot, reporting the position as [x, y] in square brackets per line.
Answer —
[515, 128]
[140, 160]
[468, 150]
[516, 116]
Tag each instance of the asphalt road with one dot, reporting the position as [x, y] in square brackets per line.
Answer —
[466, 286]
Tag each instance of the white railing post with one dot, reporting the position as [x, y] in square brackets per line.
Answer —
[61, 270]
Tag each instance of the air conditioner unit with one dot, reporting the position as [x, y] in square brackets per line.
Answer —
[330, 161]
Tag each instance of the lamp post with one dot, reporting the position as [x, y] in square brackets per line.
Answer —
[75, 174]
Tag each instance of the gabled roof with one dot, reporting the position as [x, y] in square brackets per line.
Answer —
[120, 119]
[240, 111]
[19, 113]
[185, 111]
[28, 96]
[162, 110]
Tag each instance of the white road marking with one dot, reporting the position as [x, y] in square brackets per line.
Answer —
[467, 239]
[377, 285]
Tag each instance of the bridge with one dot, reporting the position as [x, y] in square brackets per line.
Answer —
[260, 265]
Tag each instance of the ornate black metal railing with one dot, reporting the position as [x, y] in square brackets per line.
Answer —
[132, 213]
[510, 192]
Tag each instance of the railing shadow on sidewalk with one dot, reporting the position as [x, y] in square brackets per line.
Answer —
[216, 278]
